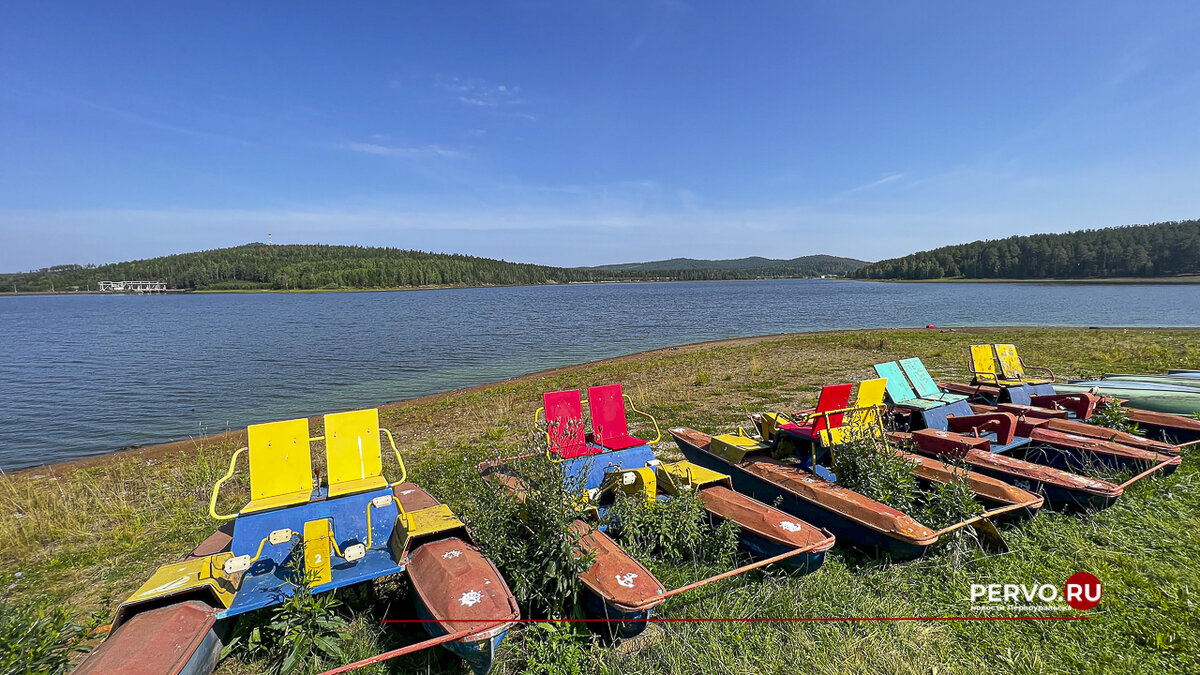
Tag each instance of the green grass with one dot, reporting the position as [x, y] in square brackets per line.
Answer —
[87, 537]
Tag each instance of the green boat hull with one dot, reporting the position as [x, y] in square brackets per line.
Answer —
[1180, 401]
[1172, 380]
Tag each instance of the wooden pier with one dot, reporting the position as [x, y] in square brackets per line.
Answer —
[137, 287]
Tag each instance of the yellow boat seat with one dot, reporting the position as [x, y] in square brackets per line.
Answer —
[1011, 365]
[983, 366]
[863, 418]
[280, 465]
[353, 452]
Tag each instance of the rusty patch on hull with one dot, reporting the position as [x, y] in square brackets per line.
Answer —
[616, 576]
[460, 587]
[765, 521]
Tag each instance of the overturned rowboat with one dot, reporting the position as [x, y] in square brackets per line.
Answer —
[1182, 398]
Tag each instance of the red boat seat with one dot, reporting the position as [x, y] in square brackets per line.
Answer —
[832, 397]
[608, 418]
[564, 424]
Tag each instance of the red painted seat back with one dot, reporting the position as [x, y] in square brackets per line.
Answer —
[564, 422]
[608, 413]
[833, 397]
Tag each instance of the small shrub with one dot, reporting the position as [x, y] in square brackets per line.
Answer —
[1114, 416]
[866, 465]
[553, 649]
[675, 530]
[297, 634]
[530, 537]
[38, 638]
[945, 504]
[701, 379]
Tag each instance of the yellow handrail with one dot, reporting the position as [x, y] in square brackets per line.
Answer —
[212, 503]
[371, 534]
[541, 412]
[634, 409]
[399, 460]
[408, 523]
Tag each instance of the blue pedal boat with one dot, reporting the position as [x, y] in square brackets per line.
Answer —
[352, 528]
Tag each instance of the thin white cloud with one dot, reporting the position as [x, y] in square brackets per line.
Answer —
[873, 184]
[401, 151]
[480, 93]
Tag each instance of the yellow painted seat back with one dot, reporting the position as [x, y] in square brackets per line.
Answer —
[280, 465]
[863, 419]
[983, 364]
[1010, 364]
[353, 452]
[1013, 368]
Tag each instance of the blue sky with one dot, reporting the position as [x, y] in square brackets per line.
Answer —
[579, 133]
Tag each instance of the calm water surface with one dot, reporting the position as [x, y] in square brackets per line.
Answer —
[85, 375]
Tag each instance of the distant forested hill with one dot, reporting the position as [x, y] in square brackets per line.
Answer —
[300, 266]
[805, 266]
[314, 266]
[1158, 250]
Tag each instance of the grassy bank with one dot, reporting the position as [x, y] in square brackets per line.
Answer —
[86, 536]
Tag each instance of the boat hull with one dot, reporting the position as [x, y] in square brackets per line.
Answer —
[1165, 398]
[478, 653]
[1169, 380]
[845, 529]
[1060, 488]
[618, 622]
[456, 588]
[183, 638]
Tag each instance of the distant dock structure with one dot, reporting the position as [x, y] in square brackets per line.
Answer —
[137, 287]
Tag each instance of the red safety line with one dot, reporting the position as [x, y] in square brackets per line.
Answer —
[764, 619]
[395, 653]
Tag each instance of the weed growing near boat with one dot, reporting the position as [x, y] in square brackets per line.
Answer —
[675, 530]
[524, 521]
[553, 649]
[868, 466]
[298, 633]
[37, 638]
[1114, 416]
[871, 467]
[944, 504]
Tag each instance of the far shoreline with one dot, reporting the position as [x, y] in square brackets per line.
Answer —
[238, 436]
[1116, 281]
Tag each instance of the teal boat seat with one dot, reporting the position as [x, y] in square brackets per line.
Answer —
[898, 391]
[923, 382]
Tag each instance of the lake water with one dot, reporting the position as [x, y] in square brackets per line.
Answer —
[86, 375]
